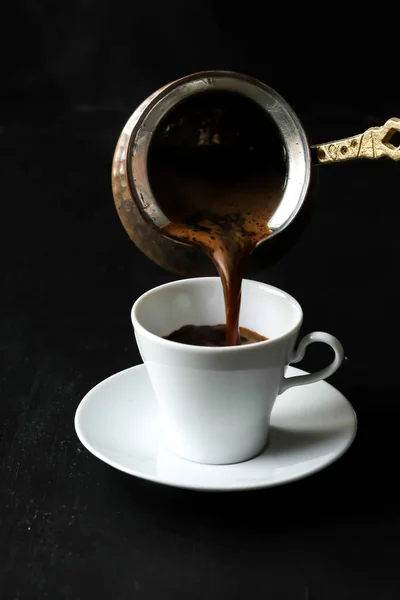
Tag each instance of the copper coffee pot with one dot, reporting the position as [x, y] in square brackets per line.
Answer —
[137, 207]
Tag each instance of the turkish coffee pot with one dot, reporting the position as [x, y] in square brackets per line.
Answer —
[196, 112]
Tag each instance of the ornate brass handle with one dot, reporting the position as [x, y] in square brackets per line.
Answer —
[373, 143]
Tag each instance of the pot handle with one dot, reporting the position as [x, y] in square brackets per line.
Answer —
[373, 143]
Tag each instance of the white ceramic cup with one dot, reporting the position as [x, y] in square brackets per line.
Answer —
[215, 403]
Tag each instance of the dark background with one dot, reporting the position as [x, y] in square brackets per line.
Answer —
[72, 527]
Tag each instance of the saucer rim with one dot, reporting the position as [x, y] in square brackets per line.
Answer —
[204, 488]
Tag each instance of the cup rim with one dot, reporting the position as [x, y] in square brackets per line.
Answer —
[212, 349]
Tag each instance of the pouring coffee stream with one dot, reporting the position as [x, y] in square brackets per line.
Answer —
[216, 167]
[215, 164]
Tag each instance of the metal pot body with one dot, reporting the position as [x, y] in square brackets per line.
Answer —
[137, 207]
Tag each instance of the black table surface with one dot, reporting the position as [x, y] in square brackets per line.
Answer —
[74, 528]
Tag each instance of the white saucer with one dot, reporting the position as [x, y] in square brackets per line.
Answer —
[311, 427]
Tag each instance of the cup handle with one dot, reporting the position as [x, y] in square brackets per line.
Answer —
[316, 336]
